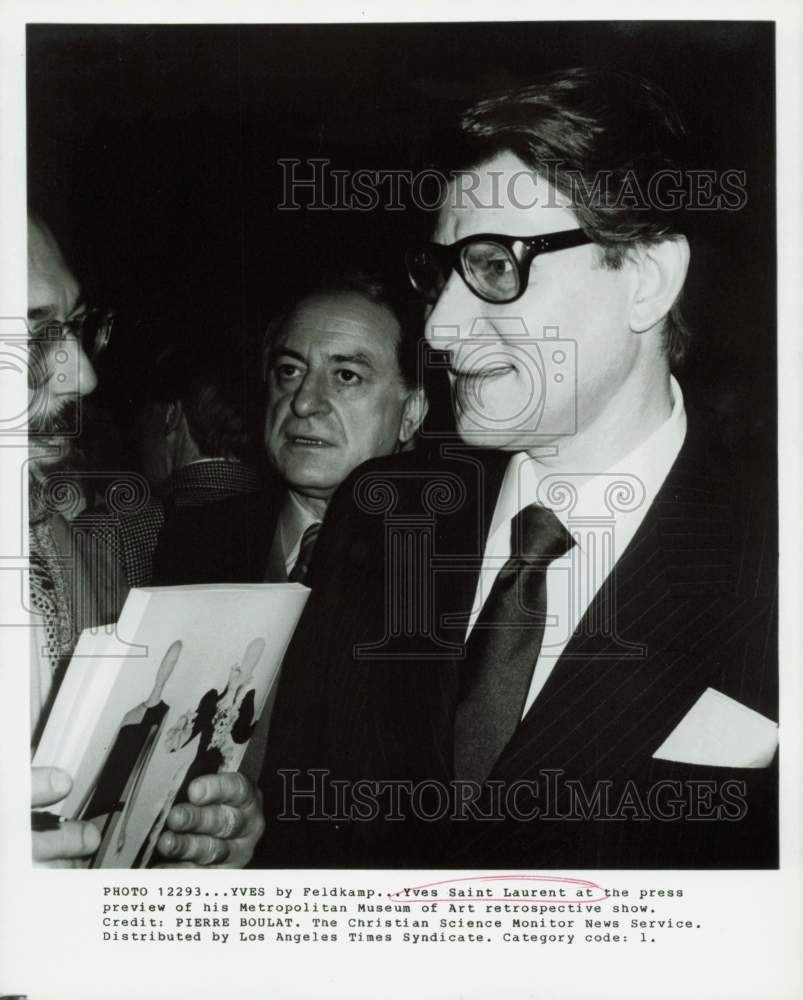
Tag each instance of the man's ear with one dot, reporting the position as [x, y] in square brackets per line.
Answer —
[172, 416]
[415, 409]
[661, 270]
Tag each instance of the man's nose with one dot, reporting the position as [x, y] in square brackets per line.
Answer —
[76, 375]
[457, 315]
[87, 379]
[311, 396]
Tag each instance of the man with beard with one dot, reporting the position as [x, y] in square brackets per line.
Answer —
[70, 590]
[61, 374]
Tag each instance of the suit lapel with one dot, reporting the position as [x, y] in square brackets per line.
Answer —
[390, 697]
[470, 482]
[650, 642]
[429, 541]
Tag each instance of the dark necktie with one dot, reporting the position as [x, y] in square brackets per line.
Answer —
[504, 644]
[308, 540]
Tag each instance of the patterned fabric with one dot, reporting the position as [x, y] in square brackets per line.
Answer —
[135, 540]
[133, 537]
[74, 584]
[207, 481]
[50, 594]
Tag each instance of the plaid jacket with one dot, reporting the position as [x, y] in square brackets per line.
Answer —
[133, 536]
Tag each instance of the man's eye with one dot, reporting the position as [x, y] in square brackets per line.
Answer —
[286, 371]
[348, 376]
[488, 262]
[496, 267]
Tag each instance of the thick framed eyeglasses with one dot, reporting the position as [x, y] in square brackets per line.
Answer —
[93, 328]
[495, 268]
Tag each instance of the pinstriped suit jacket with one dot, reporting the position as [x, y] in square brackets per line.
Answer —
[370, 684]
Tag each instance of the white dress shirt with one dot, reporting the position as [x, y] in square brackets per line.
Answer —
[293, 521]
[602, 511]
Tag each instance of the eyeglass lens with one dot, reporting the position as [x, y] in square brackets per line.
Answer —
[95, 331]
[491, 270]
[427, 272]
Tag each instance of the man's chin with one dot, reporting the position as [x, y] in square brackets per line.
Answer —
[316, 490]
[477, 437]
[491, 434]
[317, 481]
[505, 439]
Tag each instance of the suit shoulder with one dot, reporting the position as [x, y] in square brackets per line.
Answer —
[438, 480]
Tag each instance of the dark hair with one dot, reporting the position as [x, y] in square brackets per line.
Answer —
[380, 290]
[215, 398]
[590, 132]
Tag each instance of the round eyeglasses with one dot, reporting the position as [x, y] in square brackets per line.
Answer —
[93, 328]
[495, 268]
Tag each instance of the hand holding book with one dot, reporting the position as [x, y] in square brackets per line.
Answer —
[218, 828]
[60, 846]
[153, 717]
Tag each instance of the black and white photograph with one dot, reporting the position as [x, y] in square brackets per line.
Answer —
[441, 359]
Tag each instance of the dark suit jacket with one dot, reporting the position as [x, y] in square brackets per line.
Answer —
[370, 683]
[212, 523]
[218, 532]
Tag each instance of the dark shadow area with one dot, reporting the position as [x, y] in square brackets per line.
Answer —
[155, 152]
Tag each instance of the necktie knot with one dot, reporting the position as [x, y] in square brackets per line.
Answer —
[536, 535]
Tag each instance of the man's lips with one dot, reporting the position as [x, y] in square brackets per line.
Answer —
[491, 371]
[307, 441]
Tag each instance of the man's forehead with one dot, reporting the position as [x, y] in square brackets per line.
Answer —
[335, 320]
[52, 287]
[502, 195]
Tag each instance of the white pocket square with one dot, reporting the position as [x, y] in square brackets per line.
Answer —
[721, 732]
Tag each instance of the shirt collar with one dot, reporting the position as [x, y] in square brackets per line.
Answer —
[527, 481]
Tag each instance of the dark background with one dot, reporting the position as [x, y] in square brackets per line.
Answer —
[152, 153]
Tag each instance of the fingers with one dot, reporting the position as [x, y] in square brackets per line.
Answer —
[228, 787]
[216, 820]
[48, 785]
[219, 826]
[71, 840]
[201, 849]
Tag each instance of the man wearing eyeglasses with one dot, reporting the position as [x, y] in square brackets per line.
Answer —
[554, 647]
[66, 337]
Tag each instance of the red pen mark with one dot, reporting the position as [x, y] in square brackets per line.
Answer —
[568, 889]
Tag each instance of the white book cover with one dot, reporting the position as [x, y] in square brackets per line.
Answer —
[174, 692]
